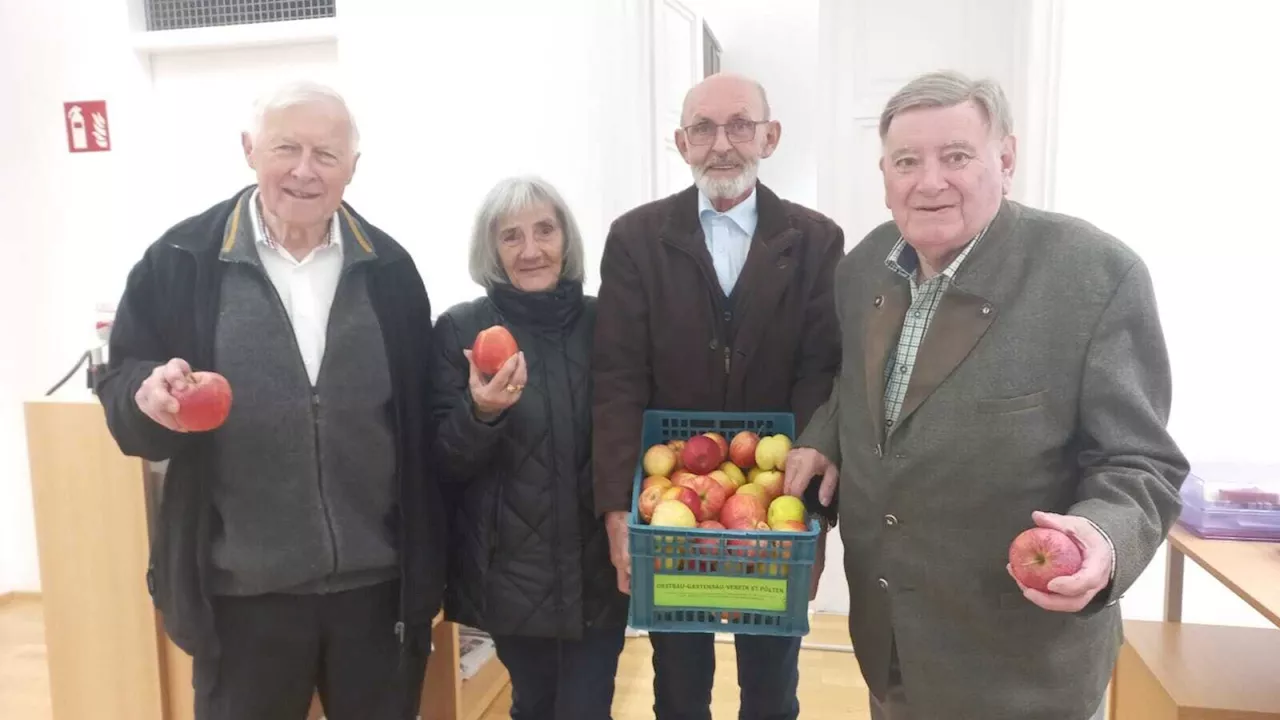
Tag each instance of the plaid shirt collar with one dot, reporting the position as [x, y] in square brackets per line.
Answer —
[262, 234]
[904, 260]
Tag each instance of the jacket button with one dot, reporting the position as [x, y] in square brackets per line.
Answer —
[879, 451]
[879, 300]
[712, 344]
[986, 309]
[890, 520]
[884, 584]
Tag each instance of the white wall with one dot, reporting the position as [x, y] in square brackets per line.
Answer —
[449, 99]
[63, 217]
[1167, 143]
[776, 43]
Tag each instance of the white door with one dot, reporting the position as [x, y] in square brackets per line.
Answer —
[678, 66]
[870, 48]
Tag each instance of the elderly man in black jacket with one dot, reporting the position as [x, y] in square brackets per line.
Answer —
[300, 544]
[531, 558]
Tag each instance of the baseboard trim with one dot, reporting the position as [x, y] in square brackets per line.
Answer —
[18, 596]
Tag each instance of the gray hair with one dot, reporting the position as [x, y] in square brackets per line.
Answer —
[300, 92]
[946, 88]
[512, 195]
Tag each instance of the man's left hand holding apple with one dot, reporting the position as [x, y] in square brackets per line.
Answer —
[1072, 593]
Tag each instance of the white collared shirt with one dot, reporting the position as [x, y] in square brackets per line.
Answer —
[728, 236]
[306, 286]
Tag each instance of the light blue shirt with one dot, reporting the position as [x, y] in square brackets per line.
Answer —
[728, 236]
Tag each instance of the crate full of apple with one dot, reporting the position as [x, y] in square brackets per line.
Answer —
[715, 542]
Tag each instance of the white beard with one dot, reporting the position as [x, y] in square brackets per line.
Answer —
[726, 189]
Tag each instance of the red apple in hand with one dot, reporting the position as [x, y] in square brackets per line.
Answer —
[711, 495]
[492, 348]
[204, 402]
[1041, 554]
[701, 455]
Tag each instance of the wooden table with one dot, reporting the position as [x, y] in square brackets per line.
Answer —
[1208, 672]
[1251, 570]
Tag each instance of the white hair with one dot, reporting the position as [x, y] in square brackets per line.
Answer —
[946, 88]
[300, 92]
[512, 195]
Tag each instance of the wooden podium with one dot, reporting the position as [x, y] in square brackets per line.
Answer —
[109, 658]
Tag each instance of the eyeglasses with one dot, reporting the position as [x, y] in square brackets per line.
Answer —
[737, 130]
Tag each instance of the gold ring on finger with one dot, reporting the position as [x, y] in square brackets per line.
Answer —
[512, 388]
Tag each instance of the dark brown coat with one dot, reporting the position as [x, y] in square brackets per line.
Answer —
[665, 338]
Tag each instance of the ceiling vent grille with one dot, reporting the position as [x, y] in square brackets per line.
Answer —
[182, 14]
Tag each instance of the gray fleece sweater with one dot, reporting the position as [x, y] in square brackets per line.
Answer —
[305, 483]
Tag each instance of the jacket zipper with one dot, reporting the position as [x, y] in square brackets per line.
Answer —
[324, 503]
[555, 498]
[315, 413]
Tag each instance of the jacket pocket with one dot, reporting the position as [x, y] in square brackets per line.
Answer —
[994, 406]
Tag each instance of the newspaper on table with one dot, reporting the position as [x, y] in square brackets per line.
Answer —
[475, 648]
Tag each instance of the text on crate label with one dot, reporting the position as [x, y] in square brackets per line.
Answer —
[720, 593]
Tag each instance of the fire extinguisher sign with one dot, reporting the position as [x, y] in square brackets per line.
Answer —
[87, 127]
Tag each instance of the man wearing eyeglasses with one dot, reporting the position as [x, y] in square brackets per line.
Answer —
[717, 298]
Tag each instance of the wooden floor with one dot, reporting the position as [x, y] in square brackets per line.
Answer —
[24, 677]
[830, 686]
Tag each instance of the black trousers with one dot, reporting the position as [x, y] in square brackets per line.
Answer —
[277, 650]
[684, 670]
[562, 679]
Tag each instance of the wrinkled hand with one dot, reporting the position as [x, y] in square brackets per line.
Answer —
[615, 523]
[1073, 592]
[803, 464]
[493, 396]
[155, 398]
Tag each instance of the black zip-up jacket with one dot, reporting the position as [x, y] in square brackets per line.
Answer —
[529, 555]
[169, 310]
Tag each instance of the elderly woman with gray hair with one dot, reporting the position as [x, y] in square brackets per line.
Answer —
[530, 559]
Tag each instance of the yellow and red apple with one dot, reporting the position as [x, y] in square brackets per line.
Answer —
[786, 509]
[659, 460]
[742, 451]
